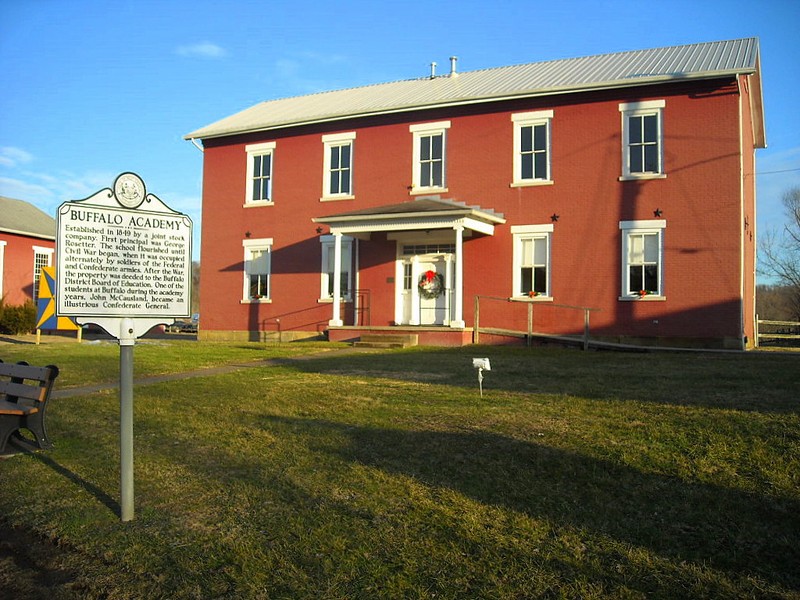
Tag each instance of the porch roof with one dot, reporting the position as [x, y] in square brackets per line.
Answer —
[420, 214]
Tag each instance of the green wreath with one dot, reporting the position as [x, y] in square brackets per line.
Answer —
[431, 285]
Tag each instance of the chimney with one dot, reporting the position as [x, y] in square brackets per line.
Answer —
[453, 60]
[433, 70]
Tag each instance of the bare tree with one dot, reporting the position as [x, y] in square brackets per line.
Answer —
[780, 251]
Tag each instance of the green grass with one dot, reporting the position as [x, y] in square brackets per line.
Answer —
[386, 475]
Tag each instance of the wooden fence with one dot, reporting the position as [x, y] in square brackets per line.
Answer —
[529, 334]
[777, 330]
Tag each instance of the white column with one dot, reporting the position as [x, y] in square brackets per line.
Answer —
[336, 320]
[458, 292]
[414, 320]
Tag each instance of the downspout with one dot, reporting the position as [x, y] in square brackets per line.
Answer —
[196, 144]
[743, 344]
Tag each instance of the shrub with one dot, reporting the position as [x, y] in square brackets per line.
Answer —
[17, 319]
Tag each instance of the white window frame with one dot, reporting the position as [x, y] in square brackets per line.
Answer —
[531, 232]
[2, 265]
[426, 130]
[250, 246]
[331, 141]
[635, 228]
[37, 271]
[532, 119]
[642, 109]
[328, 242]
[254, 150]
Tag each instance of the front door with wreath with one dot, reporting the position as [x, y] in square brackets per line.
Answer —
[432, 290]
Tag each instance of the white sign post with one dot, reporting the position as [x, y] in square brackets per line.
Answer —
[125, 264]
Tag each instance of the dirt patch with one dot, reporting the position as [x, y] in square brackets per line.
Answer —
[33, 567]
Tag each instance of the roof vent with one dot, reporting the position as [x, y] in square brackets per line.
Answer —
[453, 61]
[433, 70]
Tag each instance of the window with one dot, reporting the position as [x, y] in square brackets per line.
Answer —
[642, 259]
[257, 270]
[642, 140]
[41, 258]
[532, 147]
[2, 264]
[326, 289]
[338, 168]
[430, 143]
[259, 173]
[531, 268]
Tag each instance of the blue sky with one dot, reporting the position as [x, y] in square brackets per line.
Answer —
[94, 88]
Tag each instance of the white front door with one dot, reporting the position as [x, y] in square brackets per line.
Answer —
[431, 285]
[425, 292]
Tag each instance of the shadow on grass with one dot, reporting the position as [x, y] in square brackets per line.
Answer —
[747, 382]
[91, 488]
[727, 529]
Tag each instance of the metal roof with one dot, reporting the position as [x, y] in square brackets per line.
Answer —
[425, 206]
[422, 213]
[621, 69]
[23, 218]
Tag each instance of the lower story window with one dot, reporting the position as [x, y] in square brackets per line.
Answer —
[642, 258]
[328, 271]
[41, 258]
[531, 276]
[257, 269]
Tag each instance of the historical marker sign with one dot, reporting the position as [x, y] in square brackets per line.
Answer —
[124, 263]
[123, 253]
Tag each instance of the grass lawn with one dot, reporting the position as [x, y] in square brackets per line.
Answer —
[386, 475]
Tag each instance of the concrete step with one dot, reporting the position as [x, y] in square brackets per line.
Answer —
[387, 340]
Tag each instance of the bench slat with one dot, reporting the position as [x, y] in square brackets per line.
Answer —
[24, 371]
[22, 390]
[12, 408]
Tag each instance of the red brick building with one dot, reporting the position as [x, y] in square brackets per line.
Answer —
[623, 183]
[27, 240]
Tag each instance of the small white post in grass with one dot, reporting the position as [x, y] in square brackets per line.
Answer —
[481, 364]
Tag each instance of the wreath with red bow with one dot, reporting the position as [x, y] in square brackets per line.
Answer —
[431, 285]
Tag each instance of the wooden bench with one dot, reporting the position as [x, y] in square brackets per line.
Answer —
[24, 392]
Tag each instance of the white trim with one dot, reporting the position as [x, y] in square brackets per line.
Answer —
[327, 244]
[423, 127]
[534, 115]
[531, 119]
[522, 232]
[643, 108]
[254, 150]
[261, 148]
[330, 141]
[643, 105]
[644, 224]
[249, 245]
[338, 137]
[546, 228]
[43, 250]
[421, 130]
[2, 264]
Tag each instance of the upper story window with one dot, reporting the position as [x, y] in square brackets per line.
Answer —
[257, 270]
[532, 147]
[531, 260]
[345, 281]
[42, 257]
[337, 179]
[643, 259]
[642, 139]
[429, 160]
[259, 173]
[2, 267]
